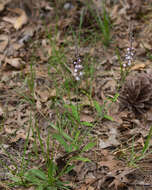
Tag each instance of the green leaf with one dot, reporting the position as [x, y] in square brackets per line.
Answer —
[76, 137]
[81, 159]
[97, 107]
[33, 179]
[115, 97]
[38, 173]
[87, 124]
[62, 142]
[40, 187]
[75, 112]
[147, 142]
[16, 179]
[34, 175]
[108, 117]
[54, 127]
[66, 136]
[62, 185]
[62, 132]
[68, 169]
[52, 188]
[89, 146]
[51, 169]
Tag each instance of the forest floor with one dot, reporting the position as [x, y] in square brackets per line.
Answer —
[63, 76]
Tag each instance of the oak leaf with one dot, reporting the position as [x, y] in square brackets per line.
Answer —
[19, 21]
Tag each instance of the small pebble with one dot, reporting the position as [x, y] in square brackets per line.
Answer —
[68, 6]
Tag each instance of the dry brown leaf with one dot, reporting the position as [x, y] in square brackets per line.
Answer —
[17, 63]
[114, 14]
[88, 118]
[109, 163]
[2, 57]
[17, 22]
[3, 42]
[3, 4]
[146, 45]
[83, 187]
[120, 177]
[135, 5]
[98, 4]
[22, 118]
[138, 66]
[15, 46]
[44, 94]
[20, 134]
[91, 188]
[53, 93]
[117, 184]
[9, 130]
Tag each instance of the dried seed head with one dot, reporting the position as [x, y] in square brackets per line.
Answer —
[136, 93]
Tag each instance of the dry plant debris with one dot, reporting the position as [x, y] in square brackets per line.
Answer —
[37, 49]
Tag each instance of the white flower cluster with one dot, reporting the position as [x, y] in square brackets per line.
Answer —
[77, 69]
[129, 57]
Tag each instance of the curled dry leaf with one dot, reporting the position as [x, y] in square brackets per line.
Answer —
[138, 66]
[3, 42]
[17, 22]
[17, 63]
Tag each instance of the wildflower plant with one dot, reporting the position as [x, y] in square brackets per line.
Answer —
[78, 73]
[129, 58]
